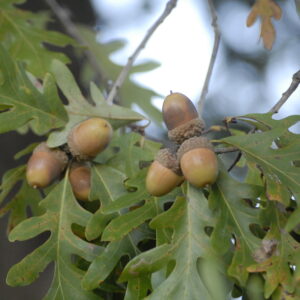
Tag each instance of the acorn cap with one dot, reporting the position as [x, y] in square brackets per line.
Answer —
[168, 159]
[194, 143]
[187, 130]
[177, 110]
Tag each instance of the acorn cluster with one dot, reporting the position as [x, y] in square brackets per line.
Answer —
[85, 141]
[195, 159]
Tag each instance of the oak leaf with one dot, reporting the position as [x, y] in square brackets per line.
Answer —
[266, 10]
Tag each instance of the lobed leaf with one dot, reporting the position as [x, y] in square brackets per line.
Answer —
[122, 225]
[96, 224]
[265, 10]
[137, 288]
[24, 35]
[274, 150]
[131, 93]
[103, 264]
[80, 109]
[234, 218]
[107, 185]
[138, 194]
[26, 105]
[10, 179]
[27, 197]
[279, 251]
[27, 150]
[188, 218]
[62, 210]
[132, 150]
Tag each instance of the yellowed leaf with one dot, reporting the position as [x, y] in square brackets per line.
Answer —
[265, 10]
[267, 33]
[252, 16]
[277, 12]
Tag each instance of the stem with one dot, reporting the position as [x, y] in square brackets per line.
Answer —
[123, 74]
[226, 150]
[236, 160]
[64, 17]
[213, 55]
[285, 96]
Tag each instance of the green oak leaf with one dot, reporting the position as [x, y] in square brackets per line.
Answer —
[234, 217]
[27, 197]
[274, 150]
[26, 105]
[130, 93]
[188, 218]
[278, 251]
[122, 225]
[104, 263]
[133, 149]
[25, 151]
[136, 193]
[137, 206]
[253, 174]
[10, 179]
[96, 224]
[62, 210]
[80, 109]
[107, 185]
[24, 35]
[281, 294]
[137, 288]
[126, 153]
[276, 190]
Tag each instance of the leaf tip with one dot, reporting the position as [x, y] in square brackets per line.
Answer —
[251, 18]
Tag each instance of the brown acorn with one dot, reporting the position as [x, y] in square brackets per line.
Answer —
[89, 138]
[80, 179]
[164, 174]
[198, 161]
[181, 118]
[45, 165]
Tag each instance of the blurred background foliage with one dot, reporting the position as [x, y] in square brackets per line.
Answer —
[246, 79]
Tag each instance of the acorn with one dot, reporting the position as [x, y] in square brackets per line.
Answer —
[181, 118]
[198, 161]
[89, 138]
[164, 173]
[45, 165]
[80, 179]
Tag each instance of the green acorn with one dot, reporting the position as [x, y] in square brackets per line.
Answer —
[89, 138]
[164, 174]
[198, 161]
[45, 165]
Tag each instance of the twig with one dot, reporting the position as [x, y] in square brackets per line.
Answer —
[236, 160]
[123, 74]
[213, 55]
[287, 93]
[64, 17]
[226, 150]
